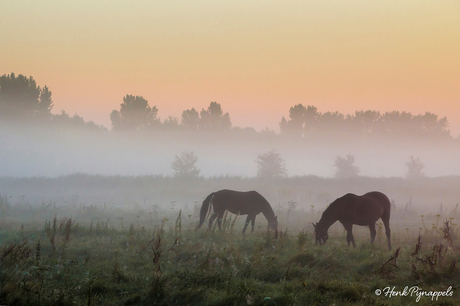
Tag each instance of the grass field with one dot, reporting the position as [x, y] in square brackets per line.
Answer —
[104, 255]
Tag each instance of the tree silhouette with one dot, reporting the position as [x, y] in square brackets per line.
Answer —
[414, 169]
[135, 114]
[190, 119]
[64, 120]
[184, 166]
[345, 167]
[296, 122]
[302, 120]
[307, 121]
[214, 118]
[270, 165]
[170, 123]
[365, 122]
[311, 120]
[430, 125]
[331, 123]
[21, 99]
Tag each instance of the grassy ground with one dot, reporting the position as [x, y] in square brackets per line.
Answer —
[101, 256]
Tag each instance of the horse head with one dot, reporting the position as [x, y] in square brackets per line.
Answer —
[274, 224]
[320, 234]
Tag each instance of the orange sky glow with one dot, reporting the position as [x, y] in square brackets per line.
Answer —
[256, 58]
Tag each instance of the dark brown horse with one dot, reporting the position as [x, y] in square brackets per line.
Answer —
[351, 209]
[249, 203]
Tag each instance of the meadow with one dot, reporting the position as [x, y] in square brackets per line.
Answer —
[59, 248]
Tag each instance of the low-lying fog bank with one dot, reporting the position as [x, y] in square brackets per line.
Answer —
[51, 153]
[428, 194]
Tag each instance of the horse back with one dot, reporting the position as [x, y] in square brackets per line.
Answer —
[379, 203]
[239, 202]
[365, 209]
[380, 199]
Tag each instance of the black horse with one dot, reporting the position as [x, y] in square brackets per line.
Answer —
[351, 209]
[249, 203]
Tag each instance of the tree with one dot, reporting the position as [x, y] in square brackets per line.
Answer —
[430, 125]
[331, 123]
[311, 120]
[302, 120]
[365, 122]
[135, 114]
[21, 99]
[184, 166]
[64, 120]
[396, 122]
[190, 119]
[171, 123]
[296, 122]
[214, 118]
[345, 167]
[414, 169]
[270, 165]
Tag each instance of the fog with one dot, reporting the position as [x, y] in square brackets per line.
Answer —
[46, 152]
[98, 167]
[63, 170]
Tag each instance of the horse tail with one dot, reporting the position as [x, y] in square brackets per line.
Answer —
[204, 209]
[386, 219]
[386, 207]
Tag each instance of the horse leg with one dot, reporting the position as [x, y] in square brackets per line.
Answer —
[219, 219]
[373, 232]
[211, 219]
[253, 222]
[386, 223]
[350, 238]
[246, 223]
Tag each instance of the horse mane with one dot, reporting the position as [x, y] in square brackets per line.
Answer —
[329, 211]
[270, 212]
[333, 204]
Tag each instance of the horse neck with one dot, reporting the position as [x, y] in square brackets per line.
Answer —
[328, 218]
[268, 212]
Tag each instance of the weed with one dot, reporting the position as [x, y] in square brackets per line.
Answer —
[178, 225]
[156, 248]
[176, 267]
[446, 231]
[302, 238]
[387, 269]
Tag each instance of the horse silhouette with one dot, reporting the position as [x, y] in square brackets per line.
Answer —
[249, 203]
[351, 209]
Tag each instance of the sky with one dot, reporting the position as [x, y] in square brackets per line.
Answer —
[256, 58]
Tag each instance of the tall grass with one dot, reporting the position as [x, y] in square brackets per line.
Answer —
[92, 262]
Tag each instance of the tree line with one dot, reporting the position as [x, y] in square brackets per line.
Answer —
[136, 114]
[22, 101]
[306, 121]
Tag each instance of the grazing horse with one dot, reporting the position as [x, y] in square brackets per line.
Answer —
[351, 209]
[249, 203]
